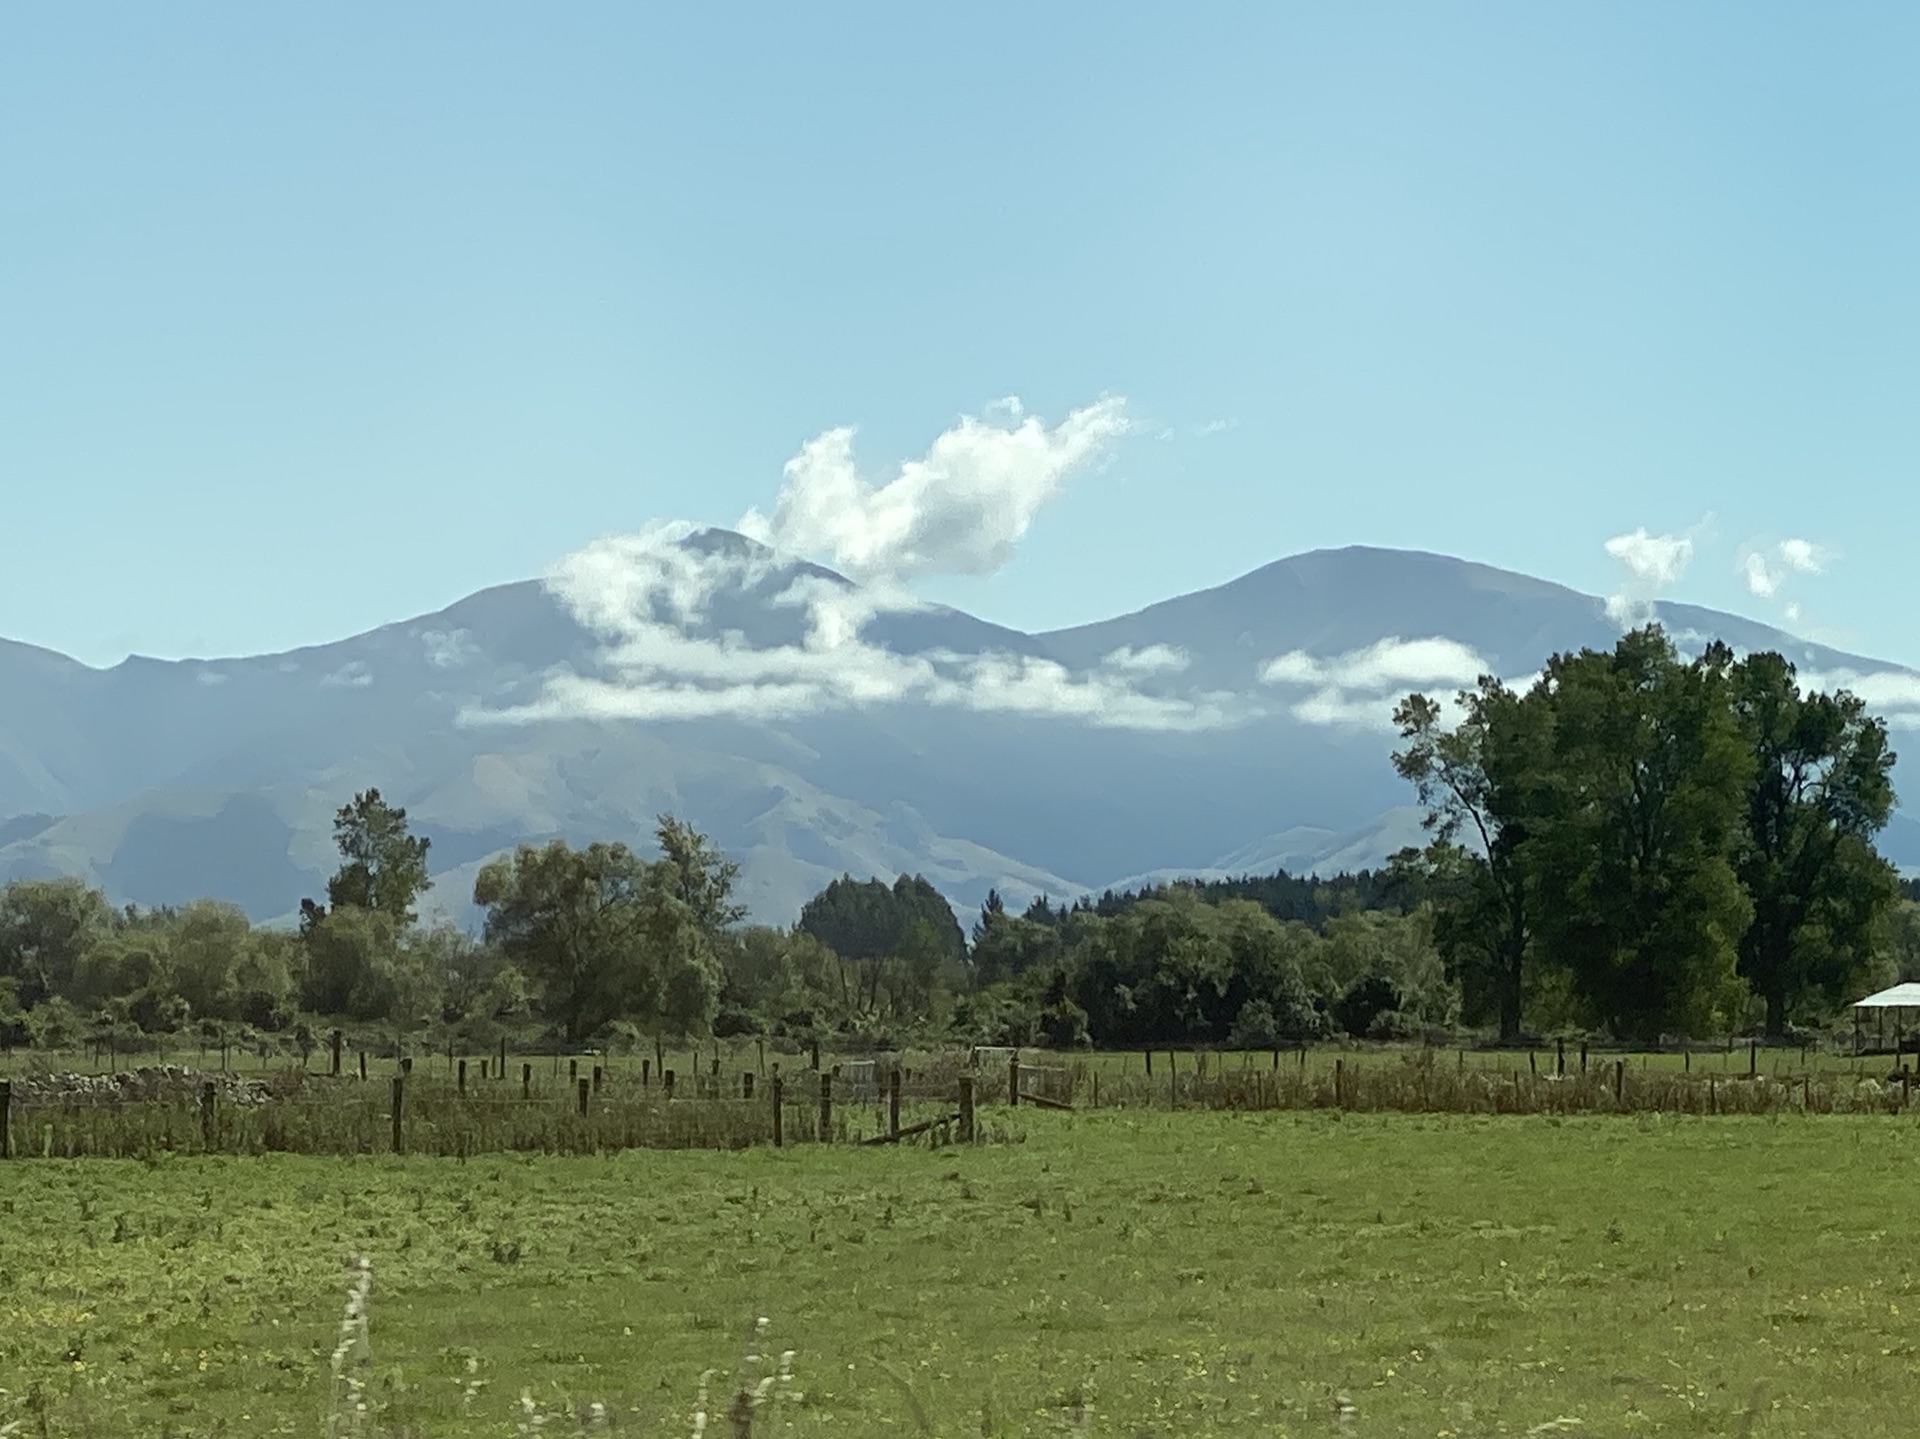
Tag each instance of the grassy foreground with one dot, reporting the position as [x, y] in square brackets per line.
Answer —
[1190, 1274]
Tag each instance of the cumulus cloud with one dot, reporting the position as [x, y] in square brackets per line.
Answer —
[1653, 563]
[1361, 687]
[957, 510]
[665, 603]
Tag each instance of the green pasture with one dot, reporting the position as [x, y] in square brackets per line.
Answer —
[1183, 1274]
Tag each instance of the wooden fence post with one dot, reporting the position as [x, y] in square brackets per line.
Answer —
[399, 1102]
[826, 1107]
[746, 1084]
[596, 1079]
[1619, 1081]
[585, 1089]
[779, 1101]
[206, 1114]
[502, 1071]
[333, 1046]
[363, 1066]
[483, 1070]
[1533, 1067]
[1560, 1055]
[1013, 1079]
[462, 1080]
[526, 1081]
[1339, 1081]
[666, 1083]
[816, 1054]
[646, 1073]
[1149, 1054]
[893, 1101]
[6, 1119]
[573, 1070]
[1753, 1058]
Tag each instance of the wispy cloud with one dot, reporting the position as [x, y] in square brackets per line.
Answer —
[1653, 563]
[656, 598]
[353, 675]
[1768, 569]
[1360, 688]
[1894, 695]
[447, 649]
[1150, 660]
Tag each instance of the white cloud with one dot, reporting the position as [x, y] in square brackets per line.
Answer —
[1387, 664]
[1804, 556]
[1894, 695]
[1152, 660]
[1653, 563]
[960, 509]
[1768, 569]
[1361, 687]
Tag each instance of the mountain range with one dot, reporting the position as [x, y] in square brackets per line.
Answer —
[812, 726]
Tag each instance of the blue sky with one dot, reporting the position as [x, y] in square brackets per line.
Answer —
[315, 319]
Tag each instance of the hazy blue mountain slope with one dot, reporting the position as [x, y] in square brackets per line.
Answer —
[172, 780]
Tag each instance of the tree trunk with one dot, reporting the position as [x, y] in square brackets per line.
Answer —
[1513, 989]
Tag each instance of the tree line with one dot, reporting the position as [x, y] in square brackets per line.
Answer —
[1637, 844]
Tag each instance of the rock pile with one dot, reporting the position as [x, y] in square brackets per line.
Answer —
[149, 1083]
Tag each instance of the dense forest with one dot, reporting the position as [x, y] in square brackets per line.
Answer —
[1639, 845]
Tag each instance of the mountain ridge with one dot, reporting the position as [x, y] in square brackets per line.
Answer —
[229, 769]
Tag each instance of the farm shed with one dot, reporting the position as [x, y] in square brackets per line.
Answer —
[1900, 1003]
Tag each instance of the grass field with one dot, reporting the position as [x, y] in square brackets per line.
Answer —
[1189, 1274]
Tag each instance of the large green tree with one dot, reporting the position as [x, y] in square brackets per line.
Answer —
[383, 865]
[698, 875]
[893, 940]
[1821, 788]
[46, 927]
[1646, 782]
[603, 935]
[1479, 782]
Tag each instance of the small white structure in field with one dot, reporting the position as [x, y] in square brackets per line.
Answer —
[1902, 1001]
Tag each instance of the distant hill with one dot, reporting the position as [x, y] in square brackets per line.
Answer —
[1234, 730]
